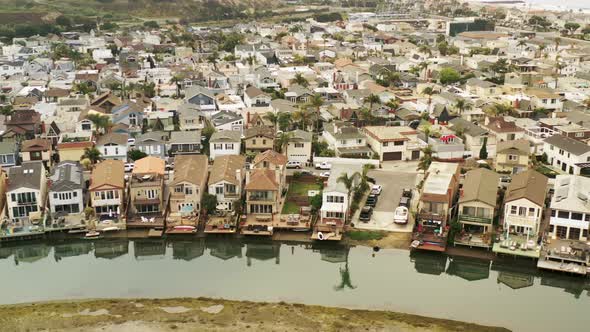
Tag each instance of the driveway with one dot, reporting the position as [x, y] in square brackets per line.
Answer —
[393, 184]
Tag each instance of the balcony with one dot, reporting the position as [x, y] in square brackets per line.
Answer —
[480, 220]
[427, 215]
[21, 203]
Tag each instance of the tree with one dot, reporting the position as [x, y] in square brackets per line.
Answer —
[284, 121]
[449, 75]
[92, 154]
[461, 105]
[282, 141]
[83, 88]
[429, 91]
[348, 182]
[207, 132]
[7, 111]
[499, 67]
[303, 117]
[372, 99]
[483, 152]
[499, 109]
[571, 27]
[272, 118]
[426, 159]
[136, 154]
[176, 80]
[316, 203]
[209, 203]
[151, 24]
[63, 21]
[316, 102]
[101, 122]
[558, 67]
[299, 79]
[366, 115]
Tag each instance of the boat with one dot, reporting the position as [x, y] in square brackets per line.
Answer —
[400, 215]
[415, 244]
[110, 229]
[92, 235]
[185, 228]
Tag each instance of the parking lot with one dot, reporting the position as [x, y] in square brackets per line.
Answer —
[393, 184]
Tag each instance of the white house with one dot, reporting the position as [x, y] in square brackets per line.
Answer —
[346, 140]
[225, 142]
[299, 146]
[570, 208]
[65, 191]
[394, 143]
[226, 180]
[26, 190]
[567, 154]
[113, 146]
[254, 97]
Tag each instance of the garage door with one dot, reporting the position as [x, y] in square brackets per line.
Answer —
[392, 156]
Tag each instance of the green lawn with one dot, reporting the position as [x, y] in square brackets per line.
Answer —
[365, 235]
[301, 189]
[290, 208]
[546, 171]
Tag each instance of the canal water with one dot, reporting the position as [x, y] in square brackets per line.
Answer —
[514, 294]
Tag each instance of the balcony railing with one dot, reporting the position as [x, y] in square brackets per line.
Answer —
[481, 220]
[425, 215]
[261, 198]
[20, 202]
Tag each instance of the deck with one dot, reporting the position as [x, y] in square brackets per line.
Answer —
[145, 221]
[429, 241]
[517, 245]
[176, 224]
[293, 222]
[221, 224]
[473, 240]
[257, 224]
[565, 256]
[330, 232]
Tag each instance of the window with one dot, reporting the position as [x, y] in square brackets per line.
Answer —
[512, 157]
[576, 216]
[522, 211]
[263, 142]
[254, 141]
[178, 189]
[334, 215]
[513, 209]
[217, 146]
[299, 145]
[531, 212]
[585, 233]
[335, 199]
[563, 214]
[580, 134]
[398, 143]
[188, 190]
[229, 146]
[574, 233]
[343, 142]
[553, 213]
[219, 190]
[359, 141]
[151, 193]
[385, 144]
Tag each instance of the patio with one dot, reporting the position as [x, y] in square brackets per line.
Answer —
[517, 245]
[257, 224]
[483, 240]
[221, 223]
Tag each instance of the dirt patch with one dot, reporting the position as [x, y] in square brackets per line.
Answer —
[175, 310]
[391, 240]
[221, 315]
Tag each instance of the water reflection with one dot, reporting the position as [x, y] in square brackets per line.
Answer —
[111, 249]
[429, 262]
[516, 276]
[188, 250]
[224, 250]
[469, 269]
[31, 253]
[71, 249]
[149, 249]
[263, 251]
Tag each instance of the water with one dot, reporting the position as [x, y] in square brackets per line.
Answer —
[514, 295]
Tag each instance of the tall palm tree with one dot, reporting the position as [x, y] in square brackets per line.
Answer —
[461, 105]
[303, 117]
[348, 182]
[499, 109]
[558, 67]
[300, 79]
[423, 66]
[429, 91]
[92, 154]
[272, 118]
[393, 104]
[391, 78]
[373, 99]
[284, 120]
[521, 43]
[282, 142]
[176, 80]
[316, 102]
[6, 111]
[426, 159]
[101, 122]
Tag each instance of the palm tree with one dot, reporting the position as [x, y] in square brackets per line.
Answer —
[316, 102]
[272, 118]
[303, 117]
[282, 141]
[101, 122]
[429, 91]
[521, 43]
[348, 182]
[92, 154]
[391, 78]
[299, 79]
[500, 109]
[558, 67]
[542, 48]
[284, 121]
[461, 105]
[425, 49]
[6, 111]
[426, 159]
[587, 102]
[176, 80]
[373, 99]
[424, 66]
[83, 88]
[392, 104]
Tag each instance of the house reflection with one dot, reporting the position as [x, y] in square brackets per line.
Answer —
[188, 250]
[428, 262]
[31, 253]
[6, 252]
[515, 276]
[224, 249]
[72, 249]
[262, 251]
[149, 249]
[469, 269]
[111, 249]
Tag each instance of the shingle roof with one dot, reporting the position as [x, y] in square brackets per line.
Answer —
[480, 185]
[27, 175]
[149, 165]
[271, 156]
[190, 168]
[259, 131]
[225, 167]
[67, 176]
[226, 136]
[568, 144]
[262, 179]
[530, 184]
[522, 145]
[119, 139]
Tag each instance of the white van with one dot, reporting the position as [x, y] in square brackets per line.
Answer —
[294, 164]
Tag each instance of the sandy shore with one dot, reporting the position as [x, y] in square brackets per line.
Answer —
[151, 315]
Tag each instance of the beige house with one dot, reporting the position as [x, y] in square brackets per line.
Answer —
[512, 156]
[146, 190]
[477, 208]
[226, 180]
[189, 184]
[393, 143]
[107, 186]
[259, 139]
[38, 149]
[299, 146]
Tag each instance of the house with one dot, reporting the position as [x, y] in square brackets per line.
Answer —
[503, 130]
[24, 123]
[105, 102]
[146, 191]
[188, 185]
[37, 149]
[445, 147]
[8, 153]
[346, 140]
[481, 88]
[512, 156]
[113, 146]
[259, 139]
[107, 189]
[567, 154]
[474, 137]
[524, 202]
[227, 120]
[436, 206]
[225, 142]
[298, 94]
[393, 143]
[190, 117]
[335, 204]
[545, 98]
[66, 187]
[184, 142]
[254, 97]
[130, 114]
[152, 143]
[202, 97]
[161, 121]
[72, 146]
[26, 192]
[477, 208]
[299, 146]
[570, 210]
[226, 180]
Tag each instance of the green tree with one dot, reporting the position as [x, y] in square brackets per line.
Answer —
[429, 91]
[136, 154]
[373, 99]
[101, 122]
[299, 79]
[449, 75]
[284, 121]
[282, 141]
[207, 132]
[426, 159]
[209, 203]
[571, 27]
[92, 154]
[348, 182]
[303, 117]
[461, 105]
[316, 203]
[272, 117]
[483, 152]
[316, 103]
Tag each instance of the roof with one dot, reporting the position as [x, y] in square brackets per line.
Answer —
[271, 156]
[27, 175]
[438, 179]
[190, 168]
[571, 193]
[336, 171]
[468, 128]
[299, 135]
[522, 145]
[253, 92]
[568, 144]
[259, 131]
[529, 184]
[262, 179]
[500, 125]
[226, 136]
[178, 137]
[223, 117]
[225, 167]
[36, 144]
[158, 136]
[108, 172]
[66, 176]
[196, 90]
[149, 165]
[389, 133]
[341, 130]
[119, 139]
[480, 185]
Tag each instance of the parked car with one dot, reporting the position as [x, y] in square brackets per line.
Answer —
[376, 189]
[407, 193]
[325, 174]
[366, 213]
[400, 215]
[323, 165]
[131, 142]
[169, 167]
[304, 172]
[294, 164]
[404, 201]
[504, 181]
[129, 167]
[372, 200]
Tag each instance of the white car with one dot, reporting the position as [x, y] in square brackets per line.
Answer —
[323, 165]
[400, 216]
[325, 174]
[376, 189]
[294, 164]
[131, 142]
[129, 167]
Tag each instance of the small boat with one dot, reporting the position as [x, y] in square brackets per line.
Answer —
[92, 235]
[400, 215]
[185, 228]
[415, 244]
[110, 229]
